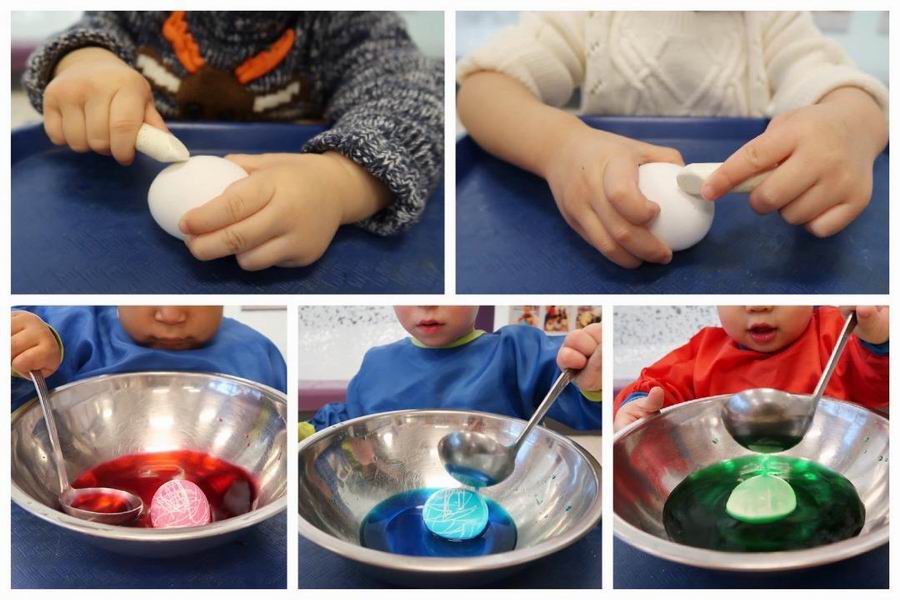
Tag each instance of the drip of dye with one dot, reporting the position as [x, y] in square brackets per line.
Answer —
[229, 489]
[396, 525]
[455, 514]
[828, 508]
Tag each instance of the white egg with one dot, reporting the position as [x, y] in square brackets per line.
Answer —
[182, 186]
[683, 219]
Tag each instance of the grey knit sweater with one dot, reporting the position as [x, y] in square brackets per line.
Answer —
[358, 70]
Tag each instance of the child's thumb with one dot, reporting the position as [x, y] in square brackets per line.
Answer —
[653, 401]
[653, 153]
[153, 118]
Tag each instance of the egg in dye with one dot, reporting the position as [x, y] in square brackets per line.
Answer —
[179, 503]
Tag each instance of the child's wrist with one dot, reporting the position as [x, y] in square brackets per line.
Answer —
[361, 193]
[557, 129]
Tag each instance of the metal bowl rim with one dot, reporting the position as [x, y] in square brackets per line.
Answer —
[135, 534]
[427, 564]
[742, 561]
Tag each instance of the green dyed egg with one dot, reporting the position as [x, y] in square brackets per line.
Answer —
[761, 499]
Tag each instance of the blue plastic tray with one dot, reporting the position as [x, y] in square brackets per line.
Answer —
[636, 569]
[512, 239]
[45, 556]
[577, 566]
[80, 224]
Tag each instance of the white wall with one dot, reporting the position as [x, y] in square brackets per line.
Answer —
[644, 334]
[269, 321]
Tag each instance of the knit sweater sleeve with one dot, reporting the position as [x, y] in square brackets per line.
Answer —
[97, 29]
[544, 51]
[803, 65]
[385, 100]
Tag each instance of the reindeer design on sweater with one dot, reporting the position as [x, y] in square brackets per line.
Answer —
[208, 93]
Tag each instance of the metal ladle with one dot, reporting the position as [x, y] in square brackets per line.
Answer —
[70, 497]
[478, 460]
[767, 420]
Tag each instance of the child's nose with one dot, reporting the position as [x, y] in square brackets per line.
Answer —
[171, 315]
[759, 309]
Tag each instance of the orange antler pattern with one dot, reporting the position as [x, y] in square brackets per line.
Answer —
[175, 30]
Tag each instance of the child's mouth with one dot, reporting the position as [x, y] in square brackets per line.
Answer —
[763, 334]
[429, 326]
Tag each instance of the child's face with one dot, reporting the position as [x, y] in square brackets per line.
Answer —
[437, 325]
[171, 327]
[765, 328]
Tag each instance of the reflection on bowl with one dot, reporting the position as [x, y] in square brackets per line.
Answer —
[653, 455]
[105, 417]
[553, 495]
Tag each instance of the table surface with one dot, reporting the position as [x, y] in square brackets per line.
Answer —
[46, 556]
[633, 568]
[80, 224]
[512, 239]
[577, 566]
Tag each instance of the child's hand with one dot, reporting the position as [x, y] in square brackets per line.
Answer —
[286, 212]
[594, 179]
[873, 323]
[583, 349]
[638, 409]
[97, 102]
[34, 347]
[822, 158]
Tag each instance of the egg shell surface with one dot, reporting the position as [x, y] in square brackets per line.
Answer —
[179, 503]
[182, 186]
[455, 514]
[683, 219]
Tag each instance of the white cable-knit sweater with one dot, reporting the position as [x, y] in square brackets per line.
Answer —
[673, 63]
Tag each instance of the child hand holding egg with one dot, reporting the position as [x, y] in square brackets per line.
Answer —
[829, 120]
[111, 73]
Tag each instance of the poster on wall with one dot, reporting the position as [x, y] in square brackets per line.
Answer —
[552, 319]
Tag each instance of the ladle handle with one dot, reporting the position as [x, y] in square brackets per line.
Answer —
[849, 325]
[692, 177]
[44, 398]
[558, 386]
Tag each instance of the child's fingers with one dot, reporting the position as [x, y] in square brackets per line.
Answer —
[254, 162]
[73, 128]
[620, 186]
[36, 358]
[784, 185]
[589, 227]
[265, 255]
[654, 400]
[759, 154]
[570, 358]
[240, 200]
[635, 239]
[833, 220]
[23, 340]
[96, 113]
[812, 203]
[235, 239]
[653, 153]
[153, 118]
[126, 115]
[53, 126]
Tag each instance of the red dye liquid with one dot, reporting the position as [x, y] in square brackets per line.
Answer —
[229, 489]
[100, 503]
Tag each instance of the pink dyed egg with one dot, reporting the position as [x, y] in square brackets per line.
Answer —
[179, 503]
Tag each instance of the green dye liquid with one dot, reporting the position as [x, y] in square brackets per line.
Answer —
[828, 507]
[768, 444]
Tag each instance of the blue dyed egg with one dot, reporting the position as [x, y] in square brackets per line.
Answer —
[455, 514]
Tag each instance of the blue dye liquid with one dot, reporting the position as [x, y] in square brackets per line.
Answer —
[470, 477]
[395, 525]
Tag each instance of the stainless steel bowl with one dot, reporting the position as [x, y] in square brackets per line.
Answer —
[106, 417]
[345, 470]
[652, 456]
